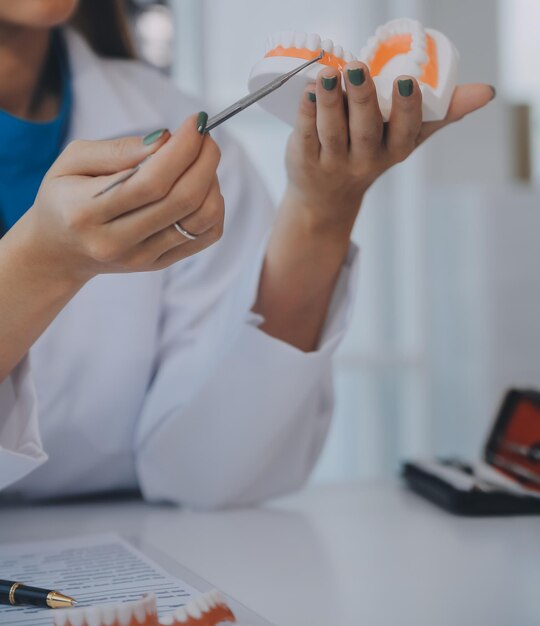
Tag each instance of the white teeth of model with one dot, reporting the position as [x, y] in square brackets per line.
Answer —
[383, 33]
[300, 40]
[203, 604]
[180, 615]
[168, 620]
[419, 56]
[150, 604]
[108, 615]
[77, 618]
[60, 618]
[313, 42]
[139, 612]
[419, 41]
[93, 617]
[218, 598]
[409, 68]
[338, 52]
[328, 46]
[288, 39]
[124, 615]
[193, 610]
[348, 58]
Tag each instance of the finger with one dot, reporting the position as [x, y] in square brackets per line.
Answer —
[210, 213]
[405, 120]
[100, 158]
[365, 119]
[331, 119]
[191, 247]
[305, 128]
[466, 99]
[186, 196]
[156, 177]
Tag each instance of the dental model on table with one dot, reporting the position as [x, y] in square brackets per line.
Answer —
[400, 47]
[208, 609]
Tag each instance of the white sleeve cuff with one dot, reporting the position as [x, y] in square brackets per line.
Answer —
[341, 305]
[21, 449]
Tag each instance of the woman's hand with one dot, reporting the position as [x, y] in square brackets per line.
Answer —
[340, 147]
[337, 150]
[70, 234]
[129, 228]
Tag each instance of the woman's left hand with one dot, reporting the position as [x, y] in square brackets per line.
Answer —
[337, 150]
[340, 147]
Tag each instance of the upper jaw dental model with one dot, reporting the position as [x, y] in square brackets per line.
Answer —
[208, 609]
[400, 47]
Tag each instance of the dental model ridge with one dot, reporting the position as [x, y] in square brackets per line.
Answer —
[400, 47]
[209, 609]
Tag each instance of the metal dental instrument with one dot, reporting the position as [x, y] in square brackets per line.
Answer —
[229, 112]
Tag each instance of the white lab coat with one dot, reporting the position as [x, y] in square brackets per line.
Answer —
[163, 380]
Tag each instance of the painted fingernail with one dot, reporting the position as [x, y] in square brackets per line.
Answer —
[153, 137]
[202, 119]
[494, 91]
[311, 96]
[405, 87]
[329, 82]
[357, 76]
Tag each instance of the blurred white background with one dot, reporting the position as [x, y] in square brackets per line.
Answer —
[448, 304]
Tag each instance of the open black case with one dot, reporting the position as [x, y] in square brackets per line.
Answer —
[512, 451]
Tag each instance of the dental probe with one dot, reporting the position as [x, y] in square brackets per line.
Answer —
[229, 112]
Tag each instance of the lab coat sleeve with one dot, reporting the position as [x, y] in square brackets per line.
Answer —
[234, 416]
[21, 450]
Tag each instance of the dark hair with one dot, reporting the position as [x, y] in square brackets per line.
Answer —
[105, 25]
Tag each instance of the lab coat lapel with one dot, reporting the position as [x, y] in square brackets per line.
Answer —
[104, 107]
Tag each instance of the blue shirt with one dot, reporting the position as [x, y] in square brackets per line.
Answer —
[28, 149]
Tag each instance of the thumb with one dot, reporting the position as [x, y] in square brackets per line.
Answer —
[466, 99]
[100, 158]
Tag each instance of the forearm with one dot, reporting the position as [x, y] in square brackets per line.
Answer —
[301, 267]
[32, 293]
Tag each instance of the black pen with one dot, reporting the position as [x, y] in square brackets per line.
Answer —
[16, 593]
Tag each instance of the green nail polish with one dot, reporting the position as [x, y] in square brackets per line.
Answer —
[311, 96]
[405, 87]
[357, 76]
[153, 137]
[329, 83]
[494, 91]
[202, 119]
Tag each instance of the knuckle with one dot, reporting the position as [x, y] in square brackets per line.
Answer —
[362, 96]
[77, 219]
[188, 200]
[119, 149]
[219, 229]
[215, 150]
[103, 251]
[74, 146]
[149, 189]
[334, 140]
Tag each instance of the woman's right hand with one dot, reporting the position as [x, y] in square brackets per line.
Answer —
[129, 228]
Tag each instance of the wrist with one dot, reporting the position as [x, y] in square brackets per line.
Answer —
[322, 220]
[27, 254]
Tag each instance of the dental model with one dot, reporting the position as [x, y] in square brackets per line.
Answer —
[400, 47]
[209, 609]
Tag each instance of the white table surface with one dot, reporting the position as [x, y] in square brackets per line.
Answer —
[348, 555]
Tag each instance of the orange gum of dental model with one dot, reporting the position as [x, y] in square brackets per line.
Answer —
[303, 53]
[401, 44]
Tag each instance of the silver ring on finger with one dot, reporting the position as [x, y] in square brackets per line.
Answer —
[185, 232]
